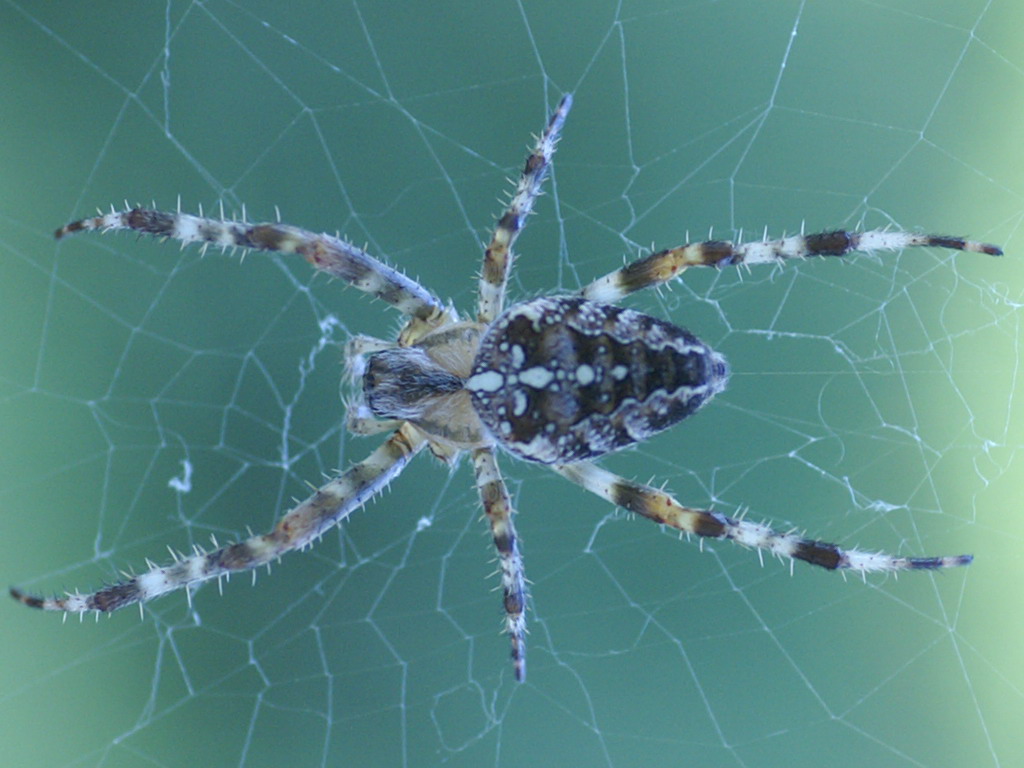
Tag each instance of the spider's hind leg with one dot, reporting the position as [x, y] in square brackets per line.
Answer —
[662, 508]
[663, 266]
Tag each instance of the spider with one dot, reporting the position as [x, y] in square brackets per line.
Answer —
[559, 380]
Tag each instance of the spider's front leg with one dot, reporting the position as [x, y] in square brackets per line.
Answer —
[665, 265]
[332, 255]
[303, 525]
[498, 508]
[660, 507]
[498, 255]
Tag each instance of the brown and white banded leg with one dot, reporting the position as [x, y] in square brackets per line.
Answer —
[664, 265]
[328, 254]
[498, 508]
[660, 507]
[299, 528]
[498, 255]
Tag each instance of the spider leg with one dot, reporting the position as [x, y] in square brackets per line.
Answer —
[328, 254]
[660, 507]
[498, 508]
[498, 256]
[661, 267]
[297, 529]
[358, 422]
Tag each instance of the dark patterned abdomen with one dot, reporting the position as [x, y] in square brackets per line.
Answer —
[562, 379]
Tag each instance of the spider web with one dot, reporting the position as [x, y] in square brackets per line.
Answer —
[152, 397]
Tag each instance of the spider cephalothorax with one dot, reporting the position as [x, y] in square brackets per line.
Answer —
[558, 380]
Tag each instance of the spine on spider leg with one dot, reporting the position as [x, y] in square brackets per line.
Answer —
[299, 528]
[328, 254]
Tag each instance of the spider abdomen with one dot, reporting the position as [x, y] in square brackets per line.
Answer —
[563, 379]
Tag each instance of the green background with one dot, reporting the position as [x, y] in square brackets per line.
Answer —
[872, 403]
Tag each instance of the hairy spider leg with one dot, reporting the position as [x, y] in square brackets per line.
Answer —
[664, 265]
[327, 253]
[499, 511]
[498, 256]
[299, 528]
[662, 508]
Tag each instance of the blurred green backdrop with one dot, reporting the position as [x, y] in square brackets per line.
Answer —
[872, 402]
